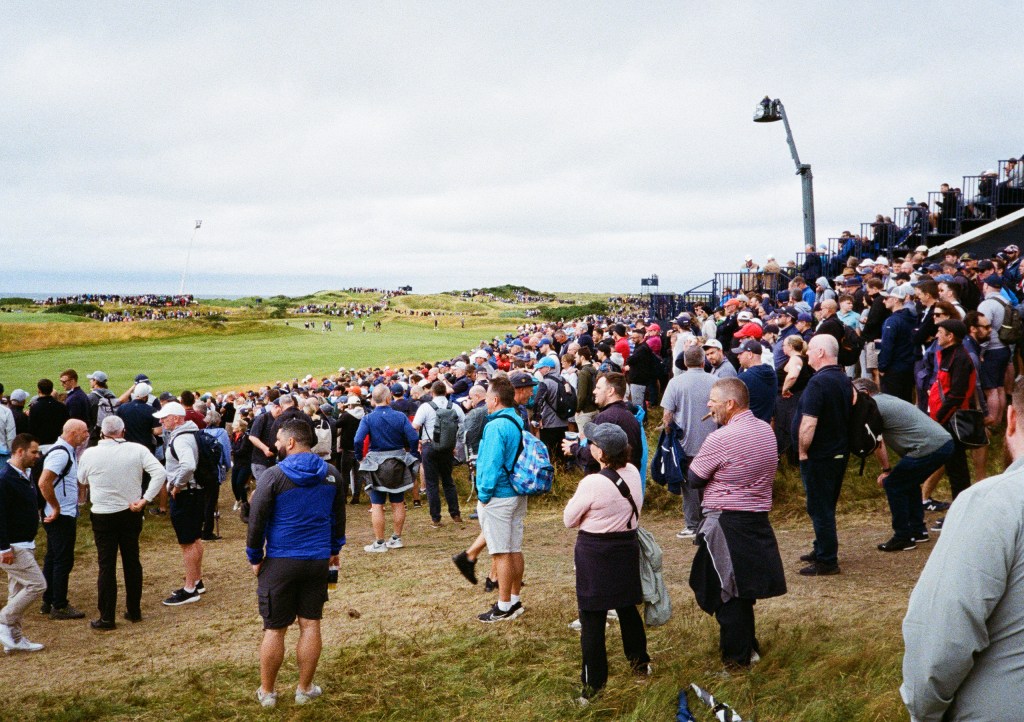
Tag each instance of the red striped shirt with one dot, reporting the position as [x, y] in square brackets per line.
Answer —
[740, 460]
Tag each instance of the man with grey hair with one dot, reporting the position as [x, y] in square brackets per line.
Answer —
[822, 439]
[113, 470]
[685, 404]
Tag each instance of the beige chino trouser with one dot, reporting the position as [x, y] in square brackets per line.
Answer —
[25, 584]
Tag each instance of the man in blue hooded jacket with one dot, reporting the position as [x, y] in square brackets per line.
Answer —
[296, 531]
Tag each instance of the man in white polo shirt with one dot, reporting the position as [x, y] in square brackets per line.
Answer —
[113, 471]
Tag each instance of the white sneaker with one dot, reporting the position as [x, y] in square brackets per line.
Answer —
[308, 696]
[686, 534]
[754, 658]
[26, 646]
[395, 542]
[376, 547]
[7, 637]
[612, 614]
[575, 625]
[266, 699]
[237, 506]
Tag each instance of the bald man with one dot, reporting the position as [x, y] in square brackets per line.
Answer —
[59, 486]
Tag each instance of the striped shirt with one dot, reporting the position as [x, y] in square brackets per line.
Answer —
[739, 460]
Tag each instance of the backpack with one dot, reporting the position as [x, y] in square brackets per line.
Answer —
[322, 448]
[37, 473]
[1012, 328]
[446, 427]
[106, 406]
[531, 472]
[865, 428]
[206, 474]
[565, 399]
[850, 348]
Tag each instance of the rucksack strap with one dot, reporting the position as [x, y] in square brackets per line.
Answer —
[519, 446]
[613, 476]
[194, 434]
[62, 476]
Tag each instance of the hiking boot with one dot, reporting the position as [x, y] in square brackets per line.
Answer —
[181, 597]
[266, 699]
[376, 547]
[466, 566]
[494, 614]
[308, 696]
[395, 542]
[897, 544]
[67, 612]
[819, 569]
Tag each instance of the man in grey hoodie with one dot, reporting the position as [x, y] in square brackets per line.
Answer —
[972, 589]
[187, 499]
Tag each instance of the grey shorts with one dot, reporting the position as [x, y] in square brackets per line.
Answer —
[502, 520]
[871, 355]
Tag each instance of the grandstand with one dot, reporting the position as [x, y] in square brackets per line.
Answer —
[982, 216]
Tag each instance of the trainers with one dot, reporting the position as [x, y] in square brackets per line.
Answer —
[417, 504]
[491, 585]
[7, 637]
[937, 526]
[575, 625]
[23, 645]
[612, 614]
[754, 658]
[395, 542]
[181, 597]
[266, 699]
[435, 524]
[933, 505]
[465, 565]
[67, 612]
[920, 538]
[643, 673]
[494, 614]
[200, 587]
[686, 534]
[308, 696]
[897, 544]
[237, 506]
[819, 569]
[376, 547]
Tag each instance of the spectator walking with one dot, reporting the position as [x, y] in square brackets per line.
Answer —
[438, 422]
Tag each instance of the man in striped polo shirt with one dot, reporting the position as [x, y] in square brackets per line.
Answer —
[738, 559]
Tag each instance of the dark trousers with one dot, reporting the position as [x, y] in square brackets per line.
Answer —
[736, 637]
[240, 474]
[211, 497]
[60, 559]
[595, 656]
[957, 470]
[903, 490]
[113, 533]
[552, 438]
[899, 384]
[437, 466]
[348, 473]
[823, 480]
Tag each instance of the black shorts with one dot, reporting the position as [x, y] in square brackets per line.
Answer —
[288, 588]
[187, 515]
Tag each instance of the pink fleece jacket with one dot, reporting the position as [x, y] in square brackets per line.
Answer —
[598, 507]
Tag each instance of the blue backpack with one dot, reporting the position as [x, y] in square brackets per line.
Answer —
[532, 472]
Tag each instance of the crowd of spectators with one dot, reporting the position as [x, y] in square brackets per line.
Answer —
[155, 300]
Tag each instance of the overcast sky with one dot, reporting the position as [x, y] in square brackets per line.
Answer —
[565, 146]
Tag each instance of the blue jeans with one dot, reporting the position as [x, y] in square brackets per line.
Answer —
[823, 480]
[903, 490]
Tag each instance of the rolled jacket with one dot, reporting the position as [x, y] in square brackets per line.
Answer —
[607, 570]
[391, 472]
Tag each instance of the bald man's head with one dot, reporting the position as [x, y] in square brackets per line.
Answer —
[75, 432]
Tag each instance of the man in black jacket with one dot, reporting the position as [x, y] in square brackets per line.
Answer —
[19, 522]
[46, 415]
[643, 367]
[872, 331]
[608, 393]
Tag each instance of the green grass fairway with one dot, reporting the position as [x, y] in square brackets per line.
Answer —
[41, 318]
[277, 353]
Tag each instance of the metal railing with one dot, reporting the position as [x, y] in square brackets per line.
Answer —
[978, 197]
[759, 282]
[1009, 188]
[948, 212]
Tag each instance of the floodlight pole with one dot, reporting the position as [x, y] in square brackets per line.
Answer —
[188, 256]
[806, 177]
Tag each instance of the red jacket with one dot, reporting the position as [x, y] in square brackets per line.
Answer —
[954, 383]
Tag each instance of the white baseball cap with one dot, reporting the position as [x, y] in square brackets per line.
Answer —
[171, 409]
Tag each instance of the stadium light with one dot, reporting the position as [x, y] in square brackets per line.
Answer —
[770, 111]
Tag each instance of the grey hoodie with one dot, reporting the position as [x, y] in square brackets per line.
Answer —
[181, 471]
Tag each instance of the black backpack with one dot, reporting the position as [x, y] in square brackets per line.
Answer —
[37, 473]
[851, 346]
[865, 428]
[206, 474]
[565, 399]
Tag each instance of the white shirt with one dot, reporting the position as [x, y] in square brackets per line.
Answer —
[426, 416]
[7, 429]
[113, 471]
[66, 489]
